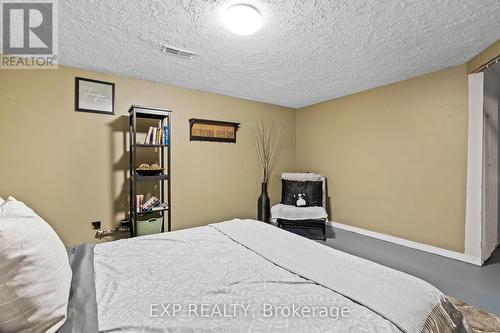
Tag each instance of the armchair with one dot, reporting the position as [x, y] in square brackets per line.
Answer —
[289, 216]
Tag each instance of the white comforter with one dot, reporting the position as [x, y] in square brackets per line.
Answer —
[200, 280]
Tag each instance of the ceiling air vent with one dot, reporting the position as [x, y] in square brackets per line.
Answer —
[178, 52]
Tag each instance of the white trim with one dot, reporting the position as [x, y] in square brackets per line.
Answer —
[473, 210]
[411, 244]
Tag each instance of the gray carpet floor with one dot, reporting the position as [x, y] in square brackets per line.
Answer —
[478, 286]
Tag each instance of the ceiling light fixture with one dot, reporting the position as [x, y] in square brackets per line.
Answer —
[242, 19]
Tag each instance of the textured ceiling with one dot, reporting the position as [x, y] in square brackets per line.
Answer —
[306, 52]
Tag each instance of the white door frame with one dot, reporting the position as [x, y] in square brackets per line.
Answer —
[474, 206]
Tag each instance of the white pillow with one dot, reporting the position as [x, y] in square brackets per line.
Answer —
[1, 201]
[35, 275]
[13, 208]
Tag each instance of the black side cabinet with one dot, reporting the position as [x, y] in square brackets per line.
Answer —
[163, 151]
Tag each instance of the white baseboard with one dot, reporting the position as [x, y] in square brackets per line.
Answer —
[408, 243]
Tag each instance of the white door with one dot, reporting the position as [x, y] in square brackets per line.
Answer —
[475, 170]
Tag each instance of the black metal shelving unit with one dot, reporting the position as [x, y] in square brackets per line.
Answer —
[165, 117]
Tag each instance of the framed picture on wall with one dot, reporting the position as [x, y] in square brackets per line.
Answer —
[94, 96]
[212, 130]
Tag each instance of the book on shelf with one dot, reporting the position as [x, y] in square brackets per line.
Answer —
[153, 201]
[158, 208]
[155, 131]
[148, 136]
[157, 136]
[139, 202]
[153, 204]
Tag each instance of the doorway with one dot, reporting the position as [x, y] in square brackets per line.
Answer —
[491, 165]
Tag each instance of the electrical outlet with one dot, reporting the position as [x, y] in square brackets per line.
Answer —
[96, 225]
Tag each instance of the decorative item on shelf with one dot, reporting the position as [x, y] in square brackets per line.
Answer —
[149, 170]
[212, 130]
[266, 142]
[94, 96]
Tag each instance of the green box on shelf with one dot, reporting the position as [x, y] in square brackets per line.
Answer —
[149, 226]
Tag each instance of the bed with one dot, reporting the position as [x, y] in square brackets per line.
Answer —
[244, 276]
[233, 276]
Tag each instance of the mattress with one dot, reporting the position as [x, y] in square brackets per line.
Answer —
[206, 280]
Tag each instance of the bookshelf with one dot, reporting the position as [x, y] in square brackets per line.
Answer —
[162, 151]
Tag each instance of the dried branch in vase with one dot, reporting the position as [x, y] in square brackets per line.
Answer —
[266, 141]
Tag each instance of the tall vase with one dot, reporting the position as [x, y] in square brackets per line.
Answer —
[264, 205]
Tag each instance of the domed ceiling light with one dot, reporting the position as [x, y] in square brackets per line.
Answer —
[242, 19]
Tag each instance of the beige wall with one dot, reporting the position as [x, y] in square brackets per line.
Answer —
[395, 157]
[71, 167]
